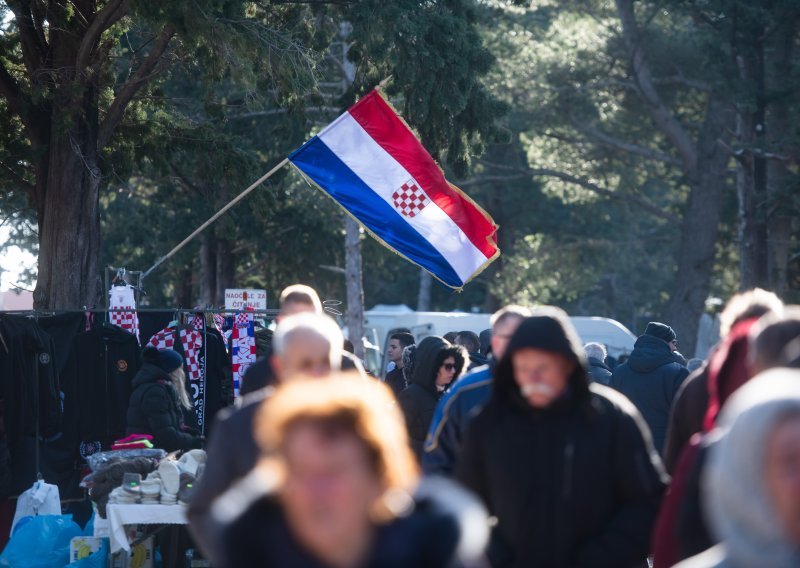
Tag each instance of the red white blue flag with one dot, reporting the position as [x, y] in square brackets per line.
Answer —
[371, 163]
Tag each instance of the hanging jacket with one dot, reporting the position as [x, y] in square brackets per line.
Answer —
[154, 409]
[418, 401]
[29, 379]
[97, 384]
[576, 484]
[650, 379]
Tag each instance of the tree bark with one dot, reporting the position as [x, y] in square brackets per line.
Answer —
[208, 268]
[425, 286]
[226, 269]
[700, 223]
[779, 128]
[355, 285]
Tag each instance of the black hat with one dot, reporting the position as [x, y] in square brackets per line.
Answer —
[166, 359]
[660, 330]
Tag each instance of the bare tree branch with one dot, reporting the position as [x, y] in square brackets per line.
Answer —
[638, 200]
[661, 115]
[613, 142]
[110, 14]
[141, 77]
[491, 179]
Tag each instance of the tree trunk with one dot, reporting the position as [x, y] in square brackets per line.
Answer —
[226, 269]
[425, 286]
[779, 180]
[68, 211]
[700, 221]
[751, 178]
[208, 268]
[355, 285]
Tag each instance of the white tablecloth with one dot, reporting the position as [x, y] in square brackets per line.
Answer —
[121, 515]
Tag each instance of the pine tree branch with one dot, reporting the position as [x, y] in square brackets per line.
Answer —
[110, 14]
[612, 142]
[638, 200]
[146, 71]
[661, 115]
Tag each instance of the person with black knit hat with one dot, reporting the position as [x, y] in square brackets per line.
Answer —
[565, 466]
[159, 400]
[651, 377]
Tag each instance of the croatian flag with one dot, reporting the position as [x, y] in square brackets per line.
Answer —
[371, 164]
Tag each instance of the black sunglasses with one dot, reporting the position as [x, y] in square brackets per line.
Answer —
[449, 366]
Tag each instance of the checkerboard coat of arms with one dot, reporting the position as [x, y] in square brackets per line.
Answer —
[410, 199]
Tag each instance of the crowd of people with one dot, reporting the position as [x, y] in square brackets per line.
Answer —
[518, 447]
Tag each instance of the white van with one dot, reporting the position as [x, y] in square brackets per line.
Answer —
[380, 324]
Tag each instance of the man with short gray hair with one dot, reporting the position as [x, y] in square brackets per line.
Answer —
[305, 345]
[598, 370]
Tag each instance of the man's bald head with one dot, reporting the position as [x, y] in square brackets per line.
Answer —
[306, 344]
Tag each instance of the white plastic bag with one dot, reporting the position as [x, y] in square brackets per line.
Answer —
[41, 499]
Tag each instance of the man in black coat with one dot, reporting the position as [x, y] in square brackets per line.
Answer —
[395, 379]
[651, 377]
[566, 467]
[295, 299]
[599, 372]
[308, 344]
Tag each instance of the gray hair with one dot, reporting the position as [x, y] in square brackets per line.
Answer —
[508, 312]
[320, 325]
[596, 351]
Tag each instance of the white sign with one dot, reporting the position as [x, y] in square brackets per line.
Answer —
[236, 299]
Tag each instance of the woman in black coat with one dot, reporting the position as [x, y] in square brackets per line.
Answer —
[437, 365]
[158, 402]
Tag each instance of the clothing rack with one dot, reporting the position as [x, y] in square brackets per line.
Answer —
[177, 311]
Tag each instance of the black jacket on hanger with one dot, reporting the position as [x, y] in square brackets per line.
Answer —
[28, 379]
[97, 384]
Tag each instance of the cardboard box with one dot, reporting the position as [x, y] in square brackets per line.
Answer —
[82, 546]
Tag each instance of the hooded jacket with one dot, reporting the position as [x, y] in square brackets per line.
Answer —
[736, 500]
[650, 378]
[418, 401]
[154, 408]
[453, 413]
[576, 484]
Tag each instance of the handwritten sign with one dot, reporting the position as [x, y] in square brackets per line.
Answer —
[237, 299]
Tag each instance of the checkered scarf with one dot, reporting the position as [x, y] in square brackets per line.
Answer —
[121, 298]
[243, 342]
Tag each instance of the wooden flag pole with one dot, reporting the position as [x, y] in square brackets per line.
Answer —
[216, 216]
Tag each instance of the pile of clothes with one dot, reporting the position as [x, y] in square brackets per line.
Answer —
[145, 480]
[171, 483]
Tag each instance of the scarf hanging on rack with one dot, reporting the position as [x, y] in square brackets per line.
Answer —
[121, 298]
[243, 347]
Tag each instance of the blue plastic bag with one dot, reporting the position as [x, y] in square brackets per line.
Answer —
[42, 542]
[98, 559]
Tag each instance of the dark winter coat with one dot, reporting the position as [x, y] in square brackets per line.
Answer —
[418, 401]
[97, 384]
[396, 380]
[599, 371]
[576, 484]
[29, 382]
[686, 419]
[430, 537]
[452, 417]
[154, 409]
[650, 378]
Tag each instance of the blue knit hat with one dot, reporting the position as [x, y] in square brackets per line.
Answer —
[169, 360]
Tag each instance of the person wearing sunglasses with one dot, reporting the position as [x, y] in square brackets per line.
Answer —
[437, 364]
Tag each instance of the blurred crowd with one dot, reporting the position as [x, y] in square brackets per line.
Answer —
[518, 447]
